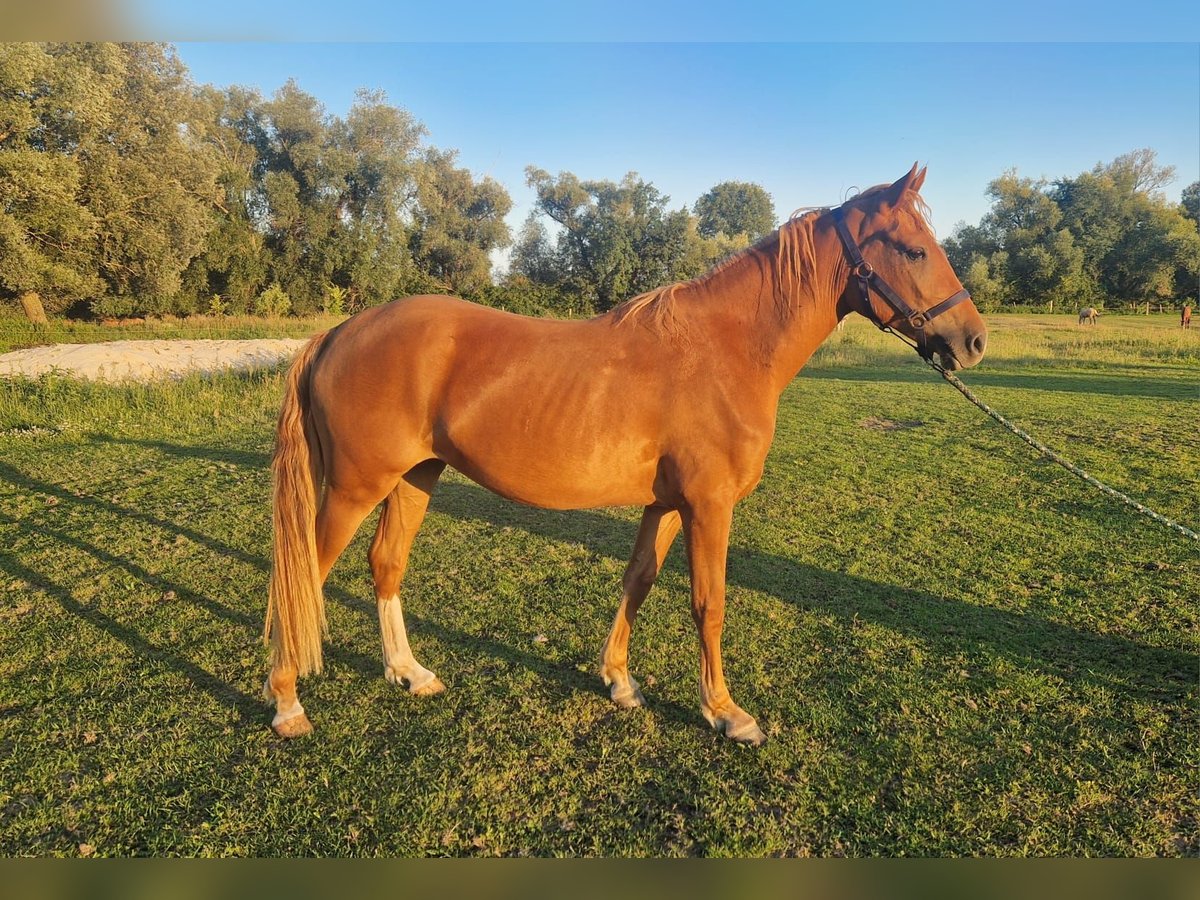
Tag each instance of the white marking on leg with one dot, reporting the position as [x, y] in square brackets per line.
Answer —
[399, 662]
[282, 714]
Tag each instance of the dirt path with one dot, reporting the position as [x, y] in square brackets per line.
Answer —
[146, 360]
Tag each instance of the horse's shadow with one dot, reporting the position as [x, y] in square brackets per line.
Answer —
[947, 625]
[950, 625]
[955, 625]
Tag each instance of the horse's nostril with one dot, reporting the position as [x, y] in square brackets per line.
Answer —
[978, 343]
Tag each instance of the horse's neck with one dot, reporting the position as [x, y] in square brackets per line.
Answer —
[776, 324]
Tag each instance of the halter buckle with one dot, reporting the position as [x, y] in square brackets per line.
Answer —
[863, 270]
[918, 321]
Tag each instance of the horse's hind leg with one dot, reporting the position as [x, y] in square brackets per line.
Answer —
[657, 531]
[339, 516]
[398, 523]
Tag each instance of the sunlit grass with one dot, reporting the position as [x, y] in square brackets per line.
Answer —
[1017, 341]
[954, 647]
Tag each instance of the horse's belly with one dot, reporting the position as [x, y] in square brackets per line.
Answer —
[553, 476]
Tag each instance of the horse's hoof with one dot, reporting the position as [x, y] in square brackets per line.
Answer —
[429, 688]
[630, 701]
[630, 698]
[751, 737]
[741, 728]
[426, 688]
[296, 726]
[624, 691]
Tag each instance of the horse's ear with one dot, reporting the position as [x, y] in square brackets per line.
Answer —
[910, 182]
[919, 181]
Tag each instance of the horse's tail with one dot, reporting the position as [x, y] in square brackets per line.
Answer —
[296, 607]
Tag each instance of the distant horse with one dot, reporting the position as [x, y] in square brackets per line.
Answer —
[1185, 317]
[1088, 314]
[666, 402]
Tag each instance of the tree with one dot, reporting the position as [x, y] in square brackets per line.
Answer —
[125, 185]
[301, 185]
[617, 239]
[336, 196]
[976, 256]
[235, 263]
[1106, 234]
[701, 253]
[49, 108]
[106, 188]
[1157, 256]
[380, 144]
[1135, 244]
[1190, 201]
[735, 207]
[1138, 172]
[148, 178]
[1041, 261]
[534, 257]
[457, 222]
[1187, 278]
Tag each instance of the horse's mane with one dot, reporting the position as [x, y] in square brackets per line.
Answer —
[795, 261]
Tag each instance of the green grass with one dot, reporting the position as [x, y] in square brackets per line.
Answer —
[956, 648]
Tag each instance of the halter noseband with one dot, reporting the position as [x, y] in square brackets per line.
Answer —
[868, 278]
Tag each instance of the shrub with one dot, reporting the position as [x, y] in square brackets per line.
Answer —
[217, 306]
[334, 302]
[113, 307]
[519, 295]
[273, 302]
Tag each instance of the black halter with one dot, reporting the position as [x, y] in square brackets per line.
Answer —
[868, 278]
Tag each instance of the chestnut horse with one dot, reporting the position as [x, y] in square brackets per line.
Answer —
[666, 402]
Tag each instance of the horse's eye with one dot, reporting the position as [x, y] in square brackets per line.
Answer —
[915, 253]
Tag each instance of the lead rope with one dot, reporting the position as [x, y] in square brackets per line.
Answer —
[954, 381]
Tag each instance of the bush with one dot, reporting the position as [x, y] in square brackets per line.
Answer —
[216, 306]
[334, 302]
[519, 295]
[273, 302]
[113, 307]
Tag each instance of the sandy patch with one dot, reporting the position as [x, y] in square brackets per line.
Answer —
[147, 360]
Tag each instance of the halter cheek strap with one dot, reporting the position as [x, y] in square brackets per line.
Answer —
[869, 279]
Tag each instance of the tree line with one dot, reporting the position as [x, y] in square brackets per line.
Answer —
[127, 189]
[1105, 236]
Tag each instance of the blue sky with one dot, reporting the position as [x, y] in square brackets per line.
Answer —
[668, 20]
[806, 121]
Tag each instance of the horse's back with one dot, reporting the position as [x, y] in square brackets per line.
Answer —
[517, 403]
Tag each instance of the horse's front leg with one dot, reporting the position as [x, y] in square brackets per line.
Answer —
[706, 529]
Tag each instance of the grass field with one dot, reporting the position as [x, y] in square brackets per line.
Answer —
[956, 648]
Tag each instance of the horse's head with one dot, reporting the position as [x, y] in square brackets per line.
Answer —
[902, 278]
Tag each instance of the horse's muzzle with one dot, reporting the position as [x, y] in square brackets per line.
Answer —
[959, 351]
